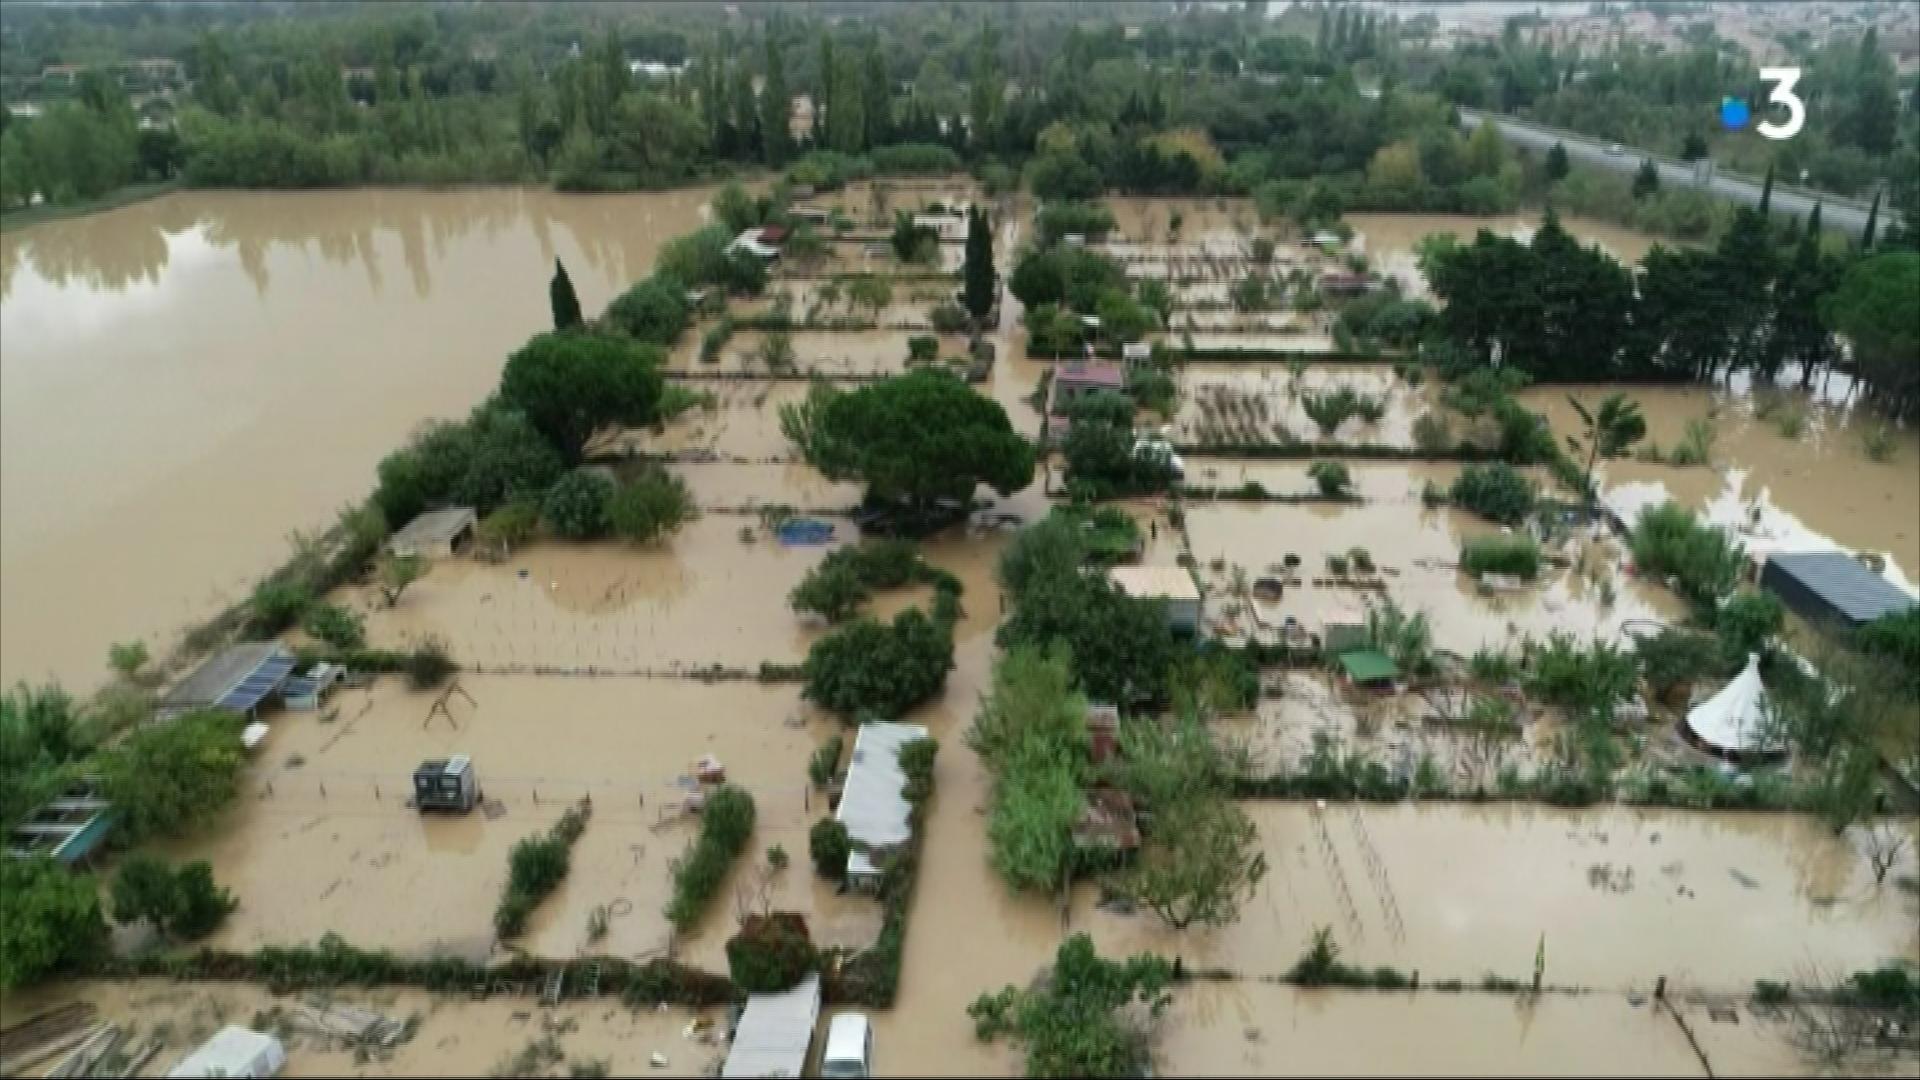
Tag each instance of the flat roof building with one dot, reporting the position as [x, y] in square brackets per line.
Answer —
[1172, 584]
[873, 805]
[237, 680]
[436, 534]
[1831, 587]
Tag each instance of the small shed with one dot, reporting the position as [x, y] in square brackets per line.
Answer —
[1136, 352]
[69, 828]
[237, 680]
[306, 691]
[1369, 668]
[234, 1051]
[1108, 822]
[873, 804]
[436, 534]
[1103, 732]
[1171, 584]
[1831, 587]
[1075, 379]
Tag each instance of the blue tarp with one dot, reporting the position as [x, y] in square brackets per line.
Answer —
[804, 531]
[264, 680]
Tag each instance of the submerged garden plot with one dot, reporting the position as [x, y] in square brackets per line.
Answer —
[1415, 554]
[1255, 403]
[322, 841]
[1710, 900]
[701, 597]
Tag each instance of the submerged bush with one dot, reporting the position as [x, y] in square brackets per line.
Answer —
[1494, 490]
[726, 821]
[1518, 556]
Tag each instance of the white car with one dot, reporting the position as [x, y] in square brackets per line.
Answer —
[849, 1052]
[1616, 149]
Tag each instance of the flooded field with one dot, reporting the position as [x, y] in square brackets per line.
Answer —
[1390, 240]
[1806, 469]
[1416, 551]
[1258, 1029]
[321, 839]
[1265, 402]
[118, 326]
[823, 352]
[1712, 901]
[456, 1036]
[744, 423]
[1150, 219]
[703, 595]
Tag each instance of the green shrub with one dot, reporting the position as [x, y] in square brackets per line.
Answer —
[1333, 478]
[825, 762]
[334, 625]
[278, 603]
[1668, 540]
[770, 953]
[649, 506]
[829, 846]
[535, 867]
[948, 318]
[49, 920]
[1432, 433]
[885, 670]
[203, 905]
[1495, 491]
[575, 507]
[1894, 638]
[1516, 555]
[725, 824]
[1768, 992]
[1746, 621]
[923, 347]
[428, 665]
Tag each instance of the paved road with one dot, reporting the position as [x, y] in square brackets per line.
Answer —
[1838, 211]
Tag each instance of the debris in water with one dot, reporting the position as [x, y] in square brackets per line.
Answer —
[1743, 879]
[658, 1060]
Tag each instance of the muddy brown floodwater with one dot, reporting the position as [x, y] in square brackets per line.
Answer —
[1390, 240]
[186, 380]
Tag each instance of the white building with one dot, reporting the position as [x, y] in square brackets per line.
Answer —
[874, 806]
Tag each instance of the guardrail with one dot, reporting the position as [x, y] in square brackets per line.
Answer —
[1829, 197]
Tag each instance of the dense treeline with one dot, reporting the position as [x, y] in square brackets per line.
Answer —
[1765, 301]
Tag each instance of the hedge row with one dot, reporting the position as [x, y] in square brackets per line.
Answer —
[1300, 450]
[334, 963]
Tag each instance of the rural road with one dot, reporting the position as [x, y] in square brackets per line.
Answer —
[1838, 212]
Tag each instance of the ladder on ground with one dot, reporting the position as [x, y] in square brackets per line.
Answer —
[1377, 871]
[556, 987]
[1338, 876]
[590, 985]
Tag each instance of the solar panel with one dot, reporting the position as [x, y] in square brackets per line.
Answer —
[264, 680]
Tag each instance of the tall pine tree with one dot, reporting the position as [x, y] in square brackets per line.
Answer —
[566, 306]
[1766, 192]
[1873, 223]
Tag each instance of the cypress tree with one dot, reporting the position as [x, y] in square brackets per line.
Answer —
[1766, 192]
[1873, 222]
[566, 306]
[979, 266]
[776, 141]
[1813, 222]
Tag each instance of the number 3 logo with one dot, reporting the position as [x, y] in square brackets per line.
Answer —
[1783, 94]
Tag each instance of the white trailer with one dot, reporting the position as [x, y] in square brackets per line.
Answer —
[775, 1033]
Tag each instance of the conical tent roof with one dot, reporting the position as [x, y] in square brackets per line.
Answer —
[1734, 720]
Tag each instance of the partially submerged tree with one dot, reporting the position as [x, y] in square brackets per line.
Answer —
[394, 573]
[1202, 860]
[572, 385]
[49, 919]
[166, 778]
[1080, 1018]
[915, 439]
[1610, 431]
[881, 669]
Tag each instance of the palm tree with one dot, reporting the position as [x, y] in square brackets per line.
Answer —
[1611, 430]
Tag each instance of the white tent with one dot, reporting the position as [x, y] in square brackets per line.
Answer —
[234, 1051]
[1732, 723]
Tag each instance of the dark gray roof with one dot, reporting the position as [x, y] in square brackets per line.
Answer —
[1839, 579]
[235, 679]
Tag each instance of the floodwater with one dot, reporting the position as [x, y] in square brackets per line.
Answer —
[1263, 402]
[457, 1036]
[186, 380]
[857, 352]
[1417, 551]
[321, 839]
[701, 596]
[1261, 1029]
[1815, 487]
[1621, 897]
[1390, 240]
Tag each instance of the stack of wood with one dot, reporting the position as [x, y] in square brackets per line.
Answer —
[92, 1047]
[344, 1026]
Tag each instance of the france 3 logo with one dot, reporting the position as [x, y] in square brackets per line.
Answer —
[1735, 115]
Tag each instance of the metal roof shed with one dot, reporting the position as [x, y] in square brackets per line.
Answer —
[1831, 587]
[775, 1032]
[1369, 667]
[434, 534]
[873, 805]
[237, 679]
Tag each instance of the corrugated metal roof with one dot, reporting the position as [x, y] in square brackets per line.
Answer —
[871, 806]
[1839, 579]
[1155, 582]
[1368, 665]
[433, 527]
[775, 1032]
[234, 679]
